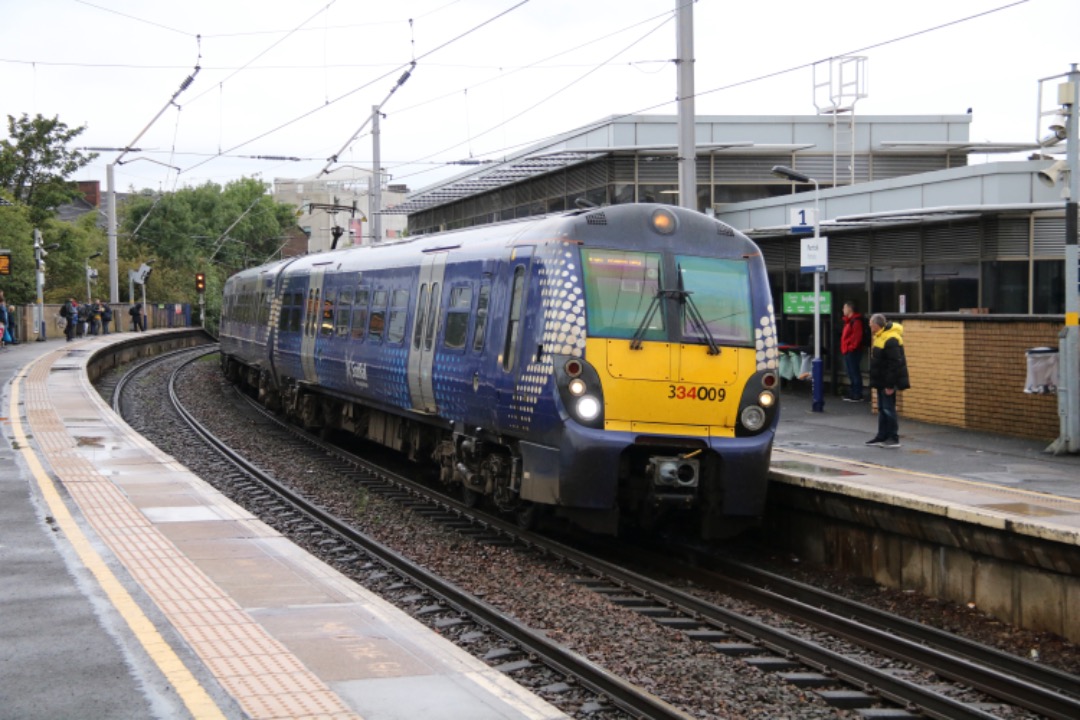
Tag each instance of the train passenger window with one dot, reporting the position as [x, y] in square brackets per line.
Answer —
[513, 330]
[326, 327]
[421, 313]
[620, 287]
[359, 315]
[720, 289]
[309, 312]
[433, 316]
[457, 317]
[399, 315]
[344, 312]
[481, 316]
[377, 320]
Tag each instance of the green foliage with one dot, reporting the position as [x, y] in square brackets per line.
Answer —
[35, 163]
[210, 229]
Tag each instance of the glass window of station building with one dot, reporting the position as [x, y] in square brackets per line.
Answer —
[943, 247]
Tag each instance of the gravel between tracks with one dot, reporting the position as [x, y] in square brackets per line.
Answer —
[687, 674]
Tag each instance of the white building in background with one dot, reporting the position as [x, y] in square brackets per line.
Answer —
[341, 199]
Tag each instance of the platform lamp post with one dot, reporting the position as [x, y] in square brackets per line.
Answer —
[89, 274]
[816, 368]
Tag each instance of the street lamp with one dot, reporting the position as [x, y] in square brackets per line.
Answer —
[89, 272]
[815, 369]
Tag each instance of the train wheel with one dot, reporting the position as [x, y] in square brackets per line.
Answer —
[525, 515]
[469, 498]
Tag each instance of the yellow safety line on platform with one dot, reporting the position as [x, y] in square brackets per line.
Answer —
[193, 695]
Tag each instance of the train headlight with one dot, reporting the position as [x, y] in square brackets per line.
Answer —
[663, 221]
[753, 418]
[766, 399]
[588, 408]
[576, 387]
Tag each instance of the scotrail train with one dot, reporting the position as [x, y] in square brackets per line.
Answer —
[613, 366]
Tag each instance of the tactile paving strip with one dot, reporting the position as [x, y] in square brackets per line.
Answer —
[261, 674]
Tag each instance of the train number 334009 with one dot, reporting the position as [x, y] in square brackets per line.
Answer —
[696, 392]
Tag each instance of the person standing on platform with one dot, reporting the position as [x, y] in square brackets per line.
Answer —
[136, 317]
[851, 347]
[95, 317]
[106, 317]
[5, 322]
[70, 313]
[888, 375]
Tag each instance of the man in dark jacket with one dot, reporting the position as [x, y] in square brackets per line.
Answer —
[70, 313]
[889, 375]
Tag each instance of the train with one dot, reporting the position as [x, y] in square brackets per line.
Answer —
[612, 367]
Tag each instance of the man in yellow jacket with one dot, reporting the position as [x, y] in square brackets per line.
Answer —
[888, 375]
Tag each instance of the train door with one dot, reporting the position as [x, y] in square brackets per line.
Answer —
[425, 329]
[513, 353]
[312, 321]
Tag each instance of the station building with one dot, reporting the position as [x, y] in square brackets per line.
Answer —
[919, 224]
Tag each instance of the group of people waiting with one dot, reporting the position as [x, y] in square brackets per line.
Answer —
[93, 318]
[888, 368]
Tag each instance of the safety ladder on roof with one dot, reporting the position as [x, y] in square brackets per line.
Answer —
[839, 83]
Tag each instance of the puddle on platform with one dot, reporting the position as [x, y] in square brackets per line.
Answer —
[89, 441]
[804, 467]
[1025, 509]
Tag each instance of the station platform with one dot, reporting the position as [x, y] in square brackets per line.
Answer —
[990, 480]
[130, 588]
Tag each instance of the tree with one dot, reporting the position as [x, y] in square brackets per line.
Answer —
[35, 163]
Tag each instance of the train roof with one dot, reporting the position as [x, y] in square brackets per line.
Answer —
[477, 242]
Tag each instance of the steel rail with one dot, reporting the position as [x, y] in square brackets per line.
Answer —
[624, 695]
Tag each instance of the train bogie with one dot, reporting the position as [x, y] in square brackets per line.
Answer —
[614, 366]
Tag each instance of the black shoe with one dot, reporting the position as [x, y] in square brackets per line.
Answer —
[890, 443]
[853, 399]
[876, 441]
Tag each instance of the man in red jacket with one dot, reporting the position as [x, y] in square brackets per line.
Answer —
[852, 343]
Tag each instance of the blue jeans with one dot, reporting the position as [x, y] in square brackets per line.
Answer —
[853, 365]
[888, 426]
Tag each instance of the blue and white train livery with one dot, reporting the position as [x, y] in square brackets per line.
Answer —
[612, 366]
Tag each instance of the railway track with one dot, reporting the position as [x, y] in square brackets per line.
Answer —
[843, 679]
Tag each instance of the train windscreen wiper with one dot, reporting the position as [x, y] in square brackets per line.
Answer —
[692, 310]
[695, 315]
[639, 334]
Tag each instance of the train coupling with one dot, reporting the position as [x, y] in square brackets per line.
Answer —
[676, 472]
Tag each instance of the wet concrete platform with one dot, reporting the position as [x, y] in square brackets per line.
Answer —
[139, 591]
[979, 477]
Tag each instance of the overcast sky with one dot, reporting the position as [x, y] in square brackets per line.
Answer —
[299, 78]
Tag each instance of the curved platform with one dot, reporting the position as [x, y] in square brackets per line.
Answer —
[140, 591]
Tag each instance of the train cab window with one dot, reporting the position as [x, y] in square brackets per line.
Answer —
[513, 329]
[432, 318]
[457, 317]
[399, 315]
[344, 312]
[326, 326]
[377, 318]
[482, 301]
[421, 313]
[720, 290]
[619, 290]
[360, 314]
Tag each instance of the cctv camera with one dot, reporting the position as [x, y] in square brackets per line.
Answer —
[1052, 174]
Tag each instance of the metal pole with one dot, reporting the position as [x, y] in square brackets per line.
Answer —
[684, 13]
[816, 367]
[38, 247]
[86, 269]
[376, 177]
[110, 204]
[1069, 343]
[144, 305]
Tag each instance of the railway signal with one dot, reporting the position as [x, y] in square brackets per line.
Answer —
[200, 282]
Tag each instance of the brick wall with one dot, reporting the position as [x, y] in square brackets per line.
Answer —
[969, 372]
